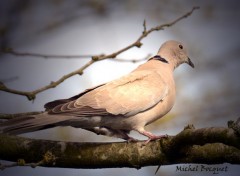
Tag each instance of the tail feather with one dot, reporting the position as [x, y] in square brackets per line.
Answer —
[15, 121]
[31, 123]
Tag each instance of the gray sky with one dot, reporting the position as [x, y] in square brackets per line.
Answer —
[206, 95]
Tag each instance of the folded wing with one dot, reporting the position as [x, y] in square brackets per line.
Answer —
[126, 96]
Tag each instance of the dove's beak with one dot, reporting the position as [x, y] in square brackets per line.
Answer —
[190, 63]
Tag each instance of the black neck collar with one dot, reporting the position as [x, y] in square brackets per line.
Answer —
[159, 58]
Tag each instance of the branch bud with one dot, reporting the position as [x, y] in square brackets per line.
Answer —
[31, 96]
[2, 86]
[80, 73]
[95, 58]
[138, 44]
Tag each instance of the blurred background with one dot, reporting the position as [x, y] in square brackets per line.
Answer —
[206, 96]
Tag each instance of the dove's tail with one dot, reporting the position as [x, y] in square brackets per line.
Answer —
[27, 124]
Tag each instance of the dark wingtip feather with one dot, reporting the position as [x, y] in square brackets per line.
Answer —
[55, 103]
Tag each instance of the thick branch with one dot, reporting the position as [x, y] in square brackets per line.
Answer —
[32, 94]
[202, 147]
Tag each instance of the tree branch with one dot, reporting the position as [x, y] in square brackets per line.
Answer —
[32, 94]
[206, 146]
[53, 56]
[45, 56]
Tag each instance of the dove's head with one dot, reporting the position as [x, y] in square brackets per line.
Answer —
[175, 53]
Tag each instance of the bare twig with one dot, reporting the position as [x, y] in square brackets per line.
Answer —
[132, 60]
[32, 95]
[47, 158]
[144, 27]
[53, 56]
[46, 56]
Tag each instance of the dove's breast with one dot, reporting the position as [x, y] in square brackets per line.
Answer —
[143, 118]
[156, 112]
[146, 117]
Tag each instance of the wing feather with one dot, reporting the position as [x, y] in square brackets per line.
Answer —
[126, 96]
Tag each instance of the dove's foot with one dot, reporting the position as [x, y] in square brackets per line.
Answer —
[151, 137]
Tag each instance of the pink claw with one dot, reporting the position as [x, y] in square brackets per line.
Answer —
[151, 137]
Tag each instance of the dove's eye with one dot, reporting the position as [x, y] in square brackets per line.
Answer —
[180, 46]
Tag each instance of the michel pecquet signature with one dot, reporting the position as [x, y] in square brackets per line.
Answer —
[201, 168]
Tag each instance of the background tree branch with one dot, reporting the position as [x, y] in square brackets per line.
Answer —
[54, 56]
[31, 95]
[213, 145]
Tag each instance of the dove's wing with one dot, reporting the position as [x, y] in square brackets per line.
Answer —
[127, 96]
[52, 104]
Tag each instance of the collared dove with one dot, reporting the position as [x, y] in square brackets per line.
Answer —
[117, 107]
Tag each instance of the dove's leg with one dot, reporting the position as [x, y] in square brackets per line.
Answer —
[150, 136]
[112, 133]
[124, 135]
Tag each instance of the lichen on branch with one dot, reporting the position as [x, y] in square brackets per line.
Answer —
[213, 145]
